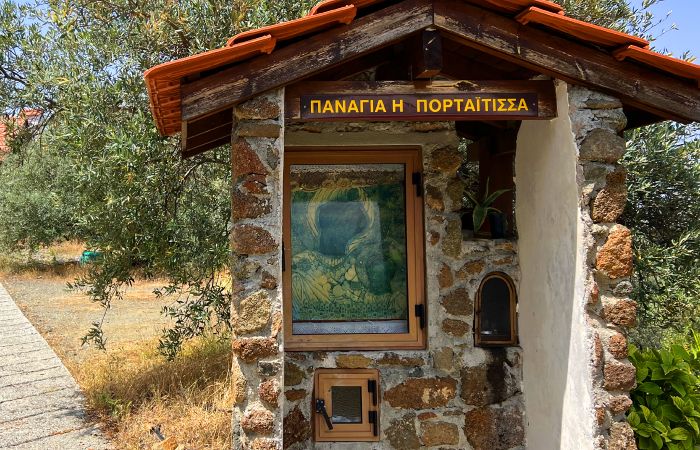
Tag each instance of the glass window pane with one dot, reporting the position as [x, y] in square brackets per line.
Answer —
[495, 310]
[348, 239]
[347, 404]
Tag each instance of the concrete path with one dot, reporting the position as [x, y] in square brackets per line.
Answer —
[41, 406]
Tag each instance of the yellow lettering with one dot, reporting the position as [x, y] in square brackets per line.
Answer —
[435, 105]
[511, 105]
[502, 105]
[397, 105]
[447, 104]
[458, 104]
[328, 107]
[362, 105]
[352, 107]
[469, 106]
[315, 106]
[486, 102]
[380, 106]
[422, 105]
[523, 105]
[340, 106]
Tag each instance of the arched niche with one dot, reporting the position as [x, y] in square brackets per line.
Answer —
[495, 316]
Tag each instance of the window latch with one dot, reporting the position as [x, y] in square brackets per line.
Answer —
[420, 313]
[373, 420]
[321, 409]
[417, 179]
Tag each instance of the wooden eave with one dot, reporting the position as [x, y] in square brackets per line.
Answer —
[532, 34]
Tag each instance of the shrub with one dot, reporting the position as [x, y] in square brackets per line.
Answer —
[666, 403]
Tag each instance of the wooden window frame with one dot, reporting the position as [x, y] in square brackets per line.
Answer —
[324, 379]
[512, 303]
[415, 253]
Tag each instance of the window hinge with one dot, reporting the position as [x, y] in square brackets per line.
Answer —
[373, 421]
[372, 388]
[420, 313]
[418, 183]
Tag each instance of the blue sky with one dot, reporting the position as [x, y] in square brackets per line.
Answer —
[686, 15]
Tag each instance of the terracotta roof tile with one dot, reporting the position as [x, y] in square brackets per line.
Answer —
[662, 62]
[163, 81]
[579, 29]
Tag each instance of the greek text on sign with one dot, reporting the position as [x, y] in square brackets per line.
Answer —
[437, 106]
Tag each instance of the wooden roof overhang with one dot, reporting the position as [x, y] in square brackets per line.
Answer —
[508, 38]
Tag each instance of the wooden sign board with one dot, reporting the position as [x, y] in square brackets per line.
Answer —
[443, 100]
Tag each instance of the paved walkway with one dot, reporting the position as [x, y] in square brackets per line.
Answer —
[41, 406]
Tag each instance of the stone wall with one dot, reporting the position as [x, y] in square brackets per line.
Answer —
[257, 373]
[597, 121]
[451, 395]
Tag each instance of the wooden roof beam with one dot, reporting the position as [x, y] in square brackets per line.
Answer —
[643, 88]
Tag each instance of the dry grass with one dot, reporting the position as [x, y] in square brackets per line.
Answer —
[58, 261]
[132, 388]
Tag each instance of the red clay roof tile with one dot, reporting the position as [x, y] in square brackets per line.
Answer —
[579, 29]
[659, 61]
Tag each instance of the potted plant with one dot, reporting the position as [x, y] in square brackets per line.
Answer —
[483, 209]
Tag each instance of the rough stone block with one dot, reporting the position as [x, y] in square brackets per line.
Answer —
[620, 404]
[458, 302]
[253, 313]
[268, 281]
[252, 349]
[603, 146]
[452, 241]
[264, 444]
[294, 395]
[251, 240]
[293, 374]
[259, 421]
[401, 433]
[248, 206]
[269, 391]
[455, 327]
[619, 376]
[352, 362]
[422, 393]
[439, 433]
[296, 428]
[622, 313]
[470, 269]
[445, 278]
[621, 437]
[392, 359]
[244, 160]
[446, 160]
[615, 258]
[491, 428]
[269, 368]
[617, 345]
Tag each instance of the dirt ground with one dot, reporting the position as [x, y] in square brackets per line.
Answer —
[64, 317]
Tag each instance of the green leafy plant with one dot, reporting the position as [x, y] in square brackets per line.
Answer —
[666, 403]
[483, 208]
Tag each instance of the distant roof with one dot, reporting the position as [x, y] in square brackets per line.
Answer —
[7, 123]
[164, 81]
